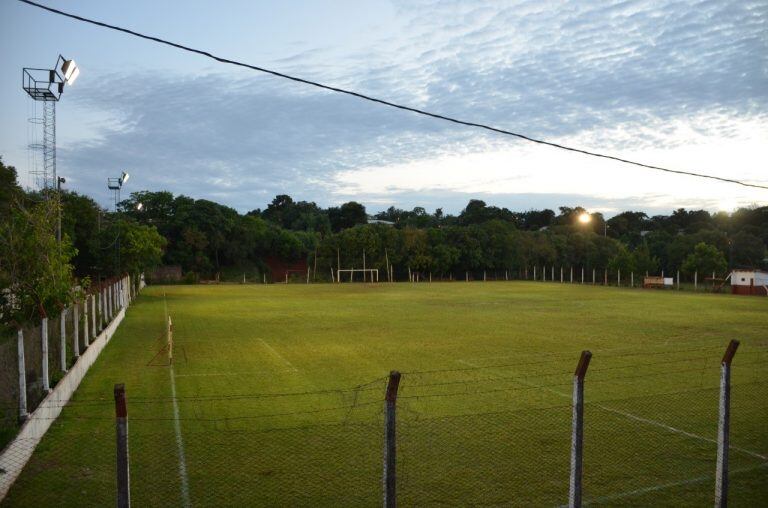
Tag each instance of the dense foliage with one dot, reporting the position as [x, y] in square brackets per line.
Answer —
[206, 238]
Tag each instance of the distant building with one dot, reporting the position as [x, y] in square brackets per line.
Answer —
[379, 221]
[749, 282]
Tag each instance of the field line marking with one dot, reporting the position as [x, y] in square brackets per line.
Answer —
[179, 444]
[662, 486]
[641, 419]
[676, 430]
[281, 357]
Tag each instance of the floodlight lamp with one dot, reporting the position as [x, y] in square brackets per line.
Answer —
[139, 206]
[124, 178]
[585, 218]
[71, 71]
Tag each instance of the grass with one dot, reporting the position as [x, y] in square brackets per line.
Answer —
[279, 389]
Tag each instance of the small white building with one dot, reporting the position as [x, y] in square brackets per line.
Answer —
[749, 282]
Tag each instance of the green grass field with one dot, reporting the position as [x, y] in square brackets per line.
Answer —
[275, 397]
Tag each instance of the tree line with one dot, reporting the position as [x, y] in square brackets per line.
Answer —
[207, 239]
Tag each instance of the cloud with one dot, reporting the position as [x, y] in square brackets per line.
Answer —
[638, 77]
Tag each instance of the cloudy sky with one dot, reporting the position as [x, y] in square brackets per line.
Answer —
[675, 84]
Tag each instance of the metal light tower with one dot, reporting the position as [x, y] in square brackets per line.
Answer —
[46, 86]
[115, 184]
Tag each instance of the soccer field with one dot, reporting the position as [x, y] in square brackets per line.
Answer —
[275, 397]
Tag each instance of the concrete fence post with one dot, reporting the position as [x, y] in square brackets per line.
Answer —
[93, 316]
[63, 337]
[390, 441]
[678, 280]
[593, 276]
[577, 431]
[561, 274]
[605, 278]
[618, 277]
[76, 329]
[22, 377]
[44, 344]
[534, 272]
[86, 334]
[582, 275]
[723, 427]
[123, 466]
[696, 280]
[631, 279]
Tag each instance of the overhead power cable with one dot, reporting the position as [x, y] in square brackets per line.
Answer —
[387, 103]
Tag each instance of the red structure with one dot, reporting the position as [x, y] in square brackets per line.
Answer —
[281, 268]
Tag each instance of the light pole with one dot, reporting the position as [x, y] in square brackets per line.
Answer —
[59, 180]
[115, 184]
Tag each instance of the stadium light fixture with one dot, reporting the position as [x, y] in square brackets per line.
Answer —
[585, 218]
[124, 178]
[139, 206]
[70, 70]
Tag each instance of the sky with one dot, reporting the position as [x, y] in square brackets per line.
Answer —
[676, 84]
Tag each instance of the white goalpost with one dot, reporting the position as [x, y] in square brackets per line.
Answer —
[373, 274]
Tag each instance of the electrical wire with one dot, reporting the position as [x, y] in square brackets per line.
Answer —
[388, 103]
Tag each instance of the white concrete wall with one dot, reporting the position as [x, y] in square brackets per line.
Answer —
[15, 456]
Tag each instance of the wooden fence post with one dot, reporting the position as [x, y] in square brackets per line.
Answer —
[577, 431]
[390, 443]
[123, 466]
[22, 377]
[723, 427]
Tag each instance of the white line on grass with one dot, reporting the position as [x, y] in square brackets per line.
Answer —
[278, 355]
[636, 418]
[179, 444]
[662, 486]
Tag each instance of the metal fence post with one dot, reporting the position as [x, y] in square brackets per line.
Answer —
[123, 467]
[22, 377]
[577, 431]
[390, 441]
[63, 335]
[44, 344]
[723, 427]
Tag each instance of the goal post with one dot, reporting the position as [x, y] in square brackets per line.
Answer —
[373, 274]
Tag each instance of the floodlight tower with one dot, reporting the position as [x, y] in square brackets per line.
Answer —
[46, 86]
[115, 184]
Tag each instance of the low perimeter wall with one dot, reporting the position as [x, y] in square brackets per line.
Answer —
[15, 456]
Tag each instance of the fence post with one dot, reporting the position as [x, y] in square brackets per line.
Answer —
[678, 280]
[76, 329]
[22, 377]
[63, 336]
[121, 431]
[723, 427]
[93, 316]
[44, 339]
[390, 462]
[577, 431]
[696, 280]
[86, 335]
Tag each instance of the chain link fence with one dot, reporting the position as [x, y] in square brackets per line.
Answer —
[495, 431]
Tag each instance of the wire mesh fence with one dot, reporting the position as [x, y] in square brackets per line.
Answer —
[495, 431]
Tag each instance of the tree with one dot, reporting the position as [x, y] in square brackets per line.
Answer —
[34, 268]
[347, 215]
[704, 259]
[748, 250]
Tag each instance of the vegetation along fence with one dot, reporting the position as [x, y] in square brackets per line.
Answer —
[660, 427]
[35, 358]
